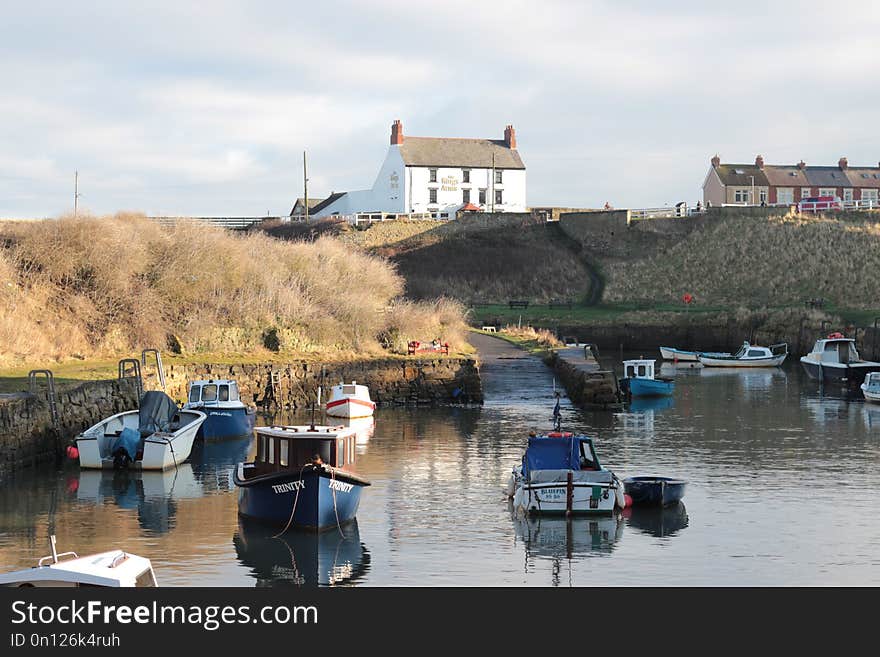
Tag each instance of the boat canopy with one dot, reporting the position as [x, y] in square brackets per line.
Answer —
[156, 412]
[638, 369]
[560, 451]
[213, 391]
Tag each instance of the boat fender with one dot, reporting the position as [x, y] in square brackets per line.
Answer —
[72, 452]
[510, 489]
[628, 501]
[619, 495]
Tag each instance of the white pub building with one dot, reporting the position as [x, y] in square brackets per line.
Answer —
[440, 176]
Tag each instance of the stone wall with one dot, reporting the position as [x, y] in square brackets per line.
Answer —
[391, 381]
[28, 435]
[589, 388]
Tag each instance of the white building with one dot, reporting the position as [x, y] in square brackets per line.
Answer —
[439, 175]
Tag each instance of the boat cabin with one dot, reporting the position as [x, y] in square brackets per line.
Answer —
[213, 392]
[872, 381]
[638, 369]
[293, 447]
[835, 350]
[560, 450]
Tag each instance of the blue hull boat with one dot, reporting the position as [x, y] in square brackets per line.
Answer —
[654, 491]
[227, 423]
[651, 387]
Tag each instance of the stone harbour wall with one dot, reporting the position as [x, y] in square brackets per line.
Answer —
[587, 387]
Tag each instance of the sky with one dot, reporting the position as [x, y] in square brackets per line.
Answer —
[205, 108]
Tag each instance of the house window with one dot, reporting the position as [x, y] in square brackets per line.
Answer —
[482, 197]
[498, 200]
[785, 195]
[498, 179]
[805, 192]
[848, 194]
[869, 195]
[465, 196]
[465, 175]
[741, 196]
[762, 196]
[432, 196]
[432, 175]
[827, 191]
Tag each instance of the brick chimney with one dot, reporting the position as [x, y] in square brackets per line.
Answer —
[396, 133]
[801, 165]
[843, 164]
[510, 137]
[759, 161]
[716, 161]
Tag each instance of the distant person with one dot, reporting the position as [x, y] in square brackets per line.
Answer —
[608, 205]
[699, 206]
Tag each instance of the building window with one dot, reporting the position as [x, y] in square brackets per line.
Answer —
[785, 195]
[465, 175]
[482, 197]
[805, 192]
[762, 196]
[432, 196]
[827, 191]
[848, 194]
[741, 196]
[432, 175]
[870, 195]
[498, 178]
[465, 196]
[498, 200]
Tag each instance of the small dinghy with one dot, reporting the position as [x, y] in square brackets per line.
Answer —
[749, 356]
[350, 400]
[112, 569]
[639, 380]
[561, 474]
[157, 436]
[677, 355]
[227, 415]
[654, 491]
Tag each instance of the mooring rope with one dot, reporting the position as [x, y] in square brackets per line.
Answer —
[295, 500]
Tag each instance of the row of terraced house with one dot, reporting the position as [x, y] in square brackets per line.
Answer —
[774, 184]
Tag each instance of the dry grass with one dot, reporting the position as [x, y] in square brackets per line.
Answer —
[755, 261]
[531, 337]
[97, 286]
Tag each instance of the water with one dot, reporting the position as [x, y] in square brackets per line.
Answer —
[782, 491]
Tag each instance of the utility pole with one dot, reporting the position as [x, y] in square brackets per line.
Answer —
[492, 202]
[75, 191]
[305, 187]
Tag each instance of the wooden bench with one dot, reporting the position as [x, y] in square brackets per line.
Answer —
[414, 346]
[489, 329]
[815, 303]
[560, 303]
[518, 304]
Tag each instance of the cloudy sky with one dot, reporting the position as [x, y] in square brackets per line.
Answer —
[205, 108]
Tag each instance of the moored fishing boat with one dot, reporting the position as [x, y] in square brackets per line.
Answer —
[156, 436]
[835, 359]
[301, 477]
[639, 380]
[673, 354]
[871, 387]
[749, 356]
[350, 400]
[656, 491]
[219, 400]
[111, 569]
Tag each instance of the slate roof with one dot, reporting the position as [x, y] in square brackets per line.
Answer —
[300, 202]
[335, 196]
[455, 152]
[730, 175]
[864, 177]
[827, 177]
[791, 176]
[786, 176]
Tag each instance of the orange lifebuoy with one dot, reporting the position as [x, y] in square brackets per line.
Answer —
[560, 434]
[836, 335]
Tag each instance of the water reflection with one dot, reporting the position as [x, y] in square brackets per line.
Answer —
[306, 559]
[754, 379]
[657, 521]
[551, 537]
[871, 416]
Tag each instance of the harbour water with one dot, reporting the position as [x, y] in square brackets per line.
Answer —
[783, 482]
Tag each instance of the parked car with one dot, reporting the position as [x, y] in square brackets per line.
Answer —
[819, 203]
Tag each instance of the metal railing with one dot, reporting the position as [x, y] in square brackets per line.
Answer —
[232, 223]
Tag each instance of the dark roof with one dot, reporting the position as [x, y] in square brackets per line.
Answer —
[740, 175]
[454, 152]
[864, 177]
[827, 177]
[785, 176]
[300, 202]
[335, 196]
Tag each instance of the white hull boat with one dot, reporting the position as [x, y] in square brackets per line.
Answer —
[835, 359]
[749, 356]
[680, 355]
[350, 400]
[871, 387]
[107, 569]
[156, 437]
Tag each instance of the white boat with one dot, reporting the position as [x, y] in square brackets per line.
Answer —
[871, 387]
[835, 360]
[350, 400]
[157, 436]
[678, 355]
[749, 356]
[115, 568]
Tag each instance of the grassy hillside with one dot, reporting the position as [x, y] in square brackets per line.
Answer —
[754, 261]
[91, 287]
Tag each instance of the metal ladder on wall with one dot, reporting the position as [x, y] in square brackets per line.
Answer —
[50, 393]
[135, 365]
[275, 382]
[160, 370]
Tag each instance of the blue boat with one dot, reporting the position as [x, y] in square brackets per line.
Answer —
[228, 416]
[301, 478]
[654, 491]
[639, 380]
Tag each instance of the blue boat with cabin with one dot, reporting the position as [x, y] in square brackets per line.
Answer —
[302, 477]
[654, 491]
[219, 400]
[639, 380]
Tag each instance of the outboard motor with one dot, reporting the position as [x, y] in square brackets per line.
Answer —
[121, 459]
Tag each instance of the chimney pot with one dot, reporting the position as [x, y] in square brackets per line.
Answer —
[759, 161]
[801, 165]
[716, 161]
[396, 133]
[843, 164]
[510, 136]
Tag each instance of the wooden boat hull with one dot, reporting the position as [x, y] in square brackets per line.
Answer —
[848, 373]
[654, 491]
[313, 499]
[775, 361]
